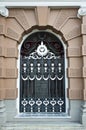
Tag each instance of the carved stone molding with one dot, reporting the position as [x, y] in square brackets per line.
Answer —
[81, 12]
[4, 11]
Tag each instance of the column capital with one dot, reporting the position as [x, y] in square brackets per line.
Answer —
[81, 12]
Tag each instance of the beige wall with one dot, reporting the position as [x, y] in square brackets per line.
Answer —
[23, 21]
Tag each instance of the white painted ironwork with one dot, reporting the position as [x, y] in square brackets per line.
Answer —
[36, 71]
[24, 102]
[42, 78]
[45, 103]
[42, 50]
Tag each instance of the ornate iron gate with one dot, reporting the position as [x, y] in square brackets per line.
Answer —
[42, 74]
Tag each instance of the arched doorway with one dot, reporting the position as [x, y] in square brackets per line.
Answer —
[42, 74]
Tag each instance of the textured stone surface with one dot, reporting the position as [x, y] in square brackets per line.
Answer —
[42, 15]
[31, 18]
[74, 72]
[84, 50]
[74, 51]
[69, 26]
[83, 29]
[63, 16]
[61, 126]
[13, 29]
[2, 113]
[75, 93]
[73, 108]
[21, 20]
[2, 25]
[20, 16]
[75, 43]
[71, 29]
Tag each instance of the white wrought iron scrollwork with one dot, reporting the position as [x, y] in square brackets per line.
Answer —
[39, 102]
[45, 78]
[42, 74]
[46, 102]
[42, 50]
[31, 102]
[39, 77]
[24, 103]
[32, 78]
[36, 71]
[24, 78]
[51, 103]
[60, 103]
[60, 78]
[53, 78]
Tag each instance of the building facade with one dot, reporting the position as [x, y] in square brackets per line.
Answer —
[43, 68]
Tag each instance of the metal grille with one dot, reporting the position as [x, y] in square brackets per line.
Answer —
[42, 75]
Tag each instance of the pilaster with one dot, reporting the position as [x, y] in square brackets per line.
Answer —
[82, 15]
[83, 113]
[2, 113]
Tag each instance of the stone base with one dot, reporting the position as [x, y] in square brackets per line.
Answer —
[49, 126]
[2, 113]
[75, 120]
[83, 113]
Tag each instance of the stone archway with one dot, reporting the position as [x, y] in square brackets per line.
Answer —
[22, 21]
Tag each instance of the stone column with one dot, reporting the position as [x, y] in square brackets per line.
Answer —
[82, 15]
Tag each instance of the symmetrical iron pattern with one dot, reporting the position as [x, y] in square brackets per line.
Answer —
[42, 76]
[42, 105]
